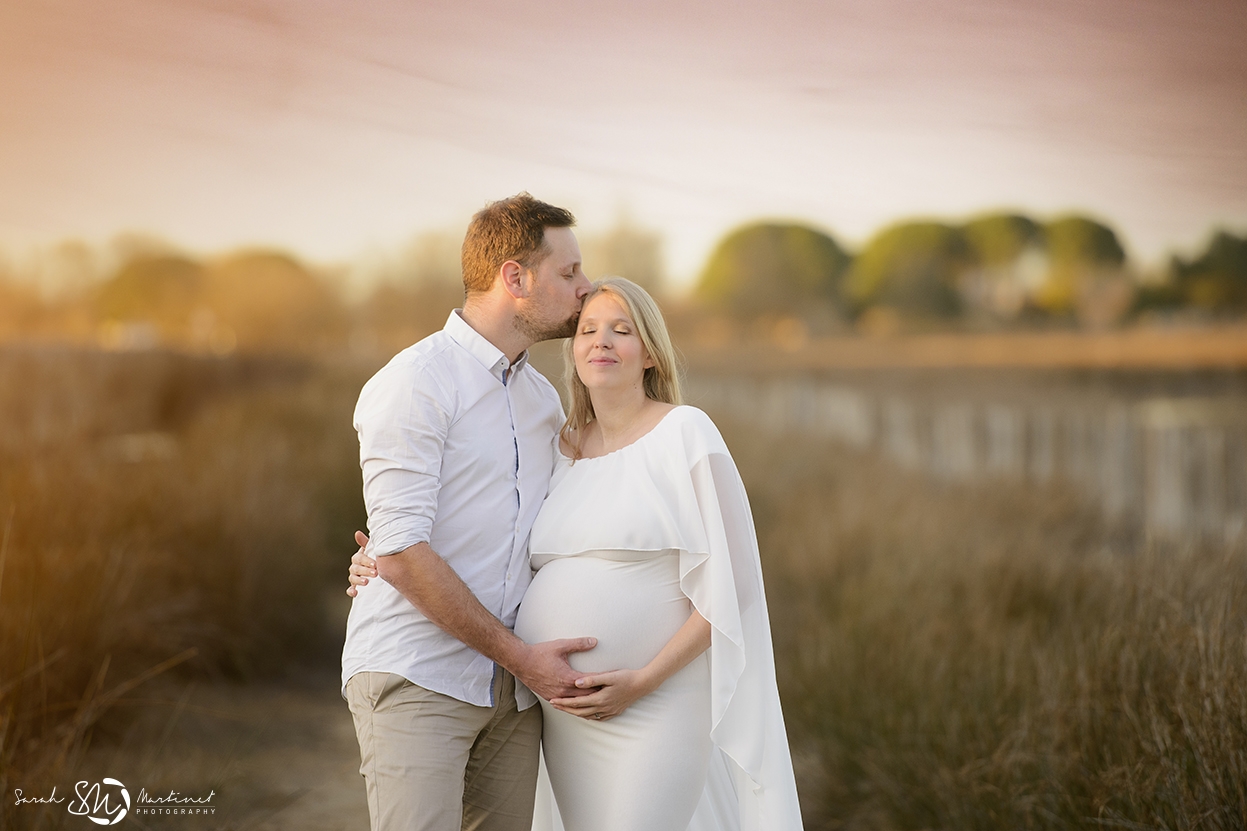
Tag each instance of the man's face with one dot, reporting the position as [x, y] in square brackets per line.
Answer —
[557, 286]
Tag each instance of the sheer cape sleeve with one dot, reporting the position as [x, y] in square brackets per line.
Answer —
[721, 574]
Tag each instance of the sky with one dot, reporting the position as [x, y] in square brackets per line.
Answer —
[335, 129]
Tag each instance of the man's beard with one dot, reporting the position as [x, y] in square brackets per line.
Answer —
[539, 330]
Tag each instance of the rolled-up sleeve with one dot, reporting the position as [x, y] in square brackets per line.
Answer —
[402, 419]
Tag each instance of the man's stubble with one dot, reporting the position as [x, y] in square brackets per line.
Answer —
[534, 328]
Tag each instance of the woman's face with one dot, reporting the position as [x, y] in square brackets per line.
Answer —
[608, 351]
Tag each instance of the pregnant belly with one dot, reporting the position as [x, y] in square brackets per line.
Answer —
[631, 605]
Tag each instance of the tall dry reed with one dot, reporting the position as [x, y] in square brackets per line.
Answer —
[160, 511]
[995, 657]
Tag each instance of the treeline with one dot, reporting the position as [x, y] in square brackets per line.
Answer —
[139, 293]
[253, 301]
[995, 270]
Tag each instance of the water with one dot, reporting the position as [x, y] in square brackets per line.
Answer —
[1166, 451]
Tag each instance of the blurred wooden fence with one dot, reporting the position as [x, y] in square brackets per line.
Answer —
[1177, 466]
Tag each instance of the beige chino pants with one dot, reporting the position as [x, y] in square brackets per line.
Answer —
[433, 763]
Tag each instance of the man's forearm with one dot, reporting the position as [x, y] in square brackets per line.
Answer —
[433, 587]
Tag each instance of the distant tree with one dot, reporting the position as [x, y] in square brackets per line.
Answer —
[21, 307]
[1079, 250]
[1161, 295]
[432, 257]
[1009, 264]
[411, 293]
[1080, 239]
[68, 267]
[626, 251]
[136, 245]
[998, 240]
[1216, 280]
[162, 290]
[913, 268]
[778, 269]
[270, 301]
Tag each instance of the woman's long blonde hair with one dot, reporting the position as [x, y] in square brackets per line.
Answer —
[661, 381]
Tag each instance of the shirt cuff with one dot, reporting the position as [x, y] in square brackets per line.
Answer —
[397, 535]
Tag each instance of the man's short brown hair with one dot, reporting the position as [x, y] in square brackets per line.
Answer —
[509, 229]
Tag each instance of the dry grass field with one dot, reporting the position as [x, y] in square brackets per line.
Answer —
[951, 657]
[160, 516]
[961, 657]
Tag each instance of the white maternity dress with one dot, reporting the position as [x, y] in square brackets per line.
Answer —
[625, 546]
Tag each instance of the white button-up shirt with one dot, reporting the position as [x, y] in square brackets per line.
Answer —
[457, 447]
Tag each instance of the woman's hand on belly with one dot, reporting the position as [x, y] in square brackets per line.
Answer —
[617, 692]
[621, 687]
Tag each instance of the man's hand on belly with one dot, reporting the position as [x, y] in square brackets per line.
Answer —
[543, 668]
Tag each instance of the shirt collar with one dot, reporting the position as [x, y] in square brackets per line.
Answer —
[489, 356]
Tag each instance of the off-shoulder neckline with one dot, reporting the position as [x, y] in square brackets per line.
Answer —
[558, 443]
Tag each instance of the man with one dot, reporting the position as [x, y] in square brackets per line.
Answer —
[456, 445]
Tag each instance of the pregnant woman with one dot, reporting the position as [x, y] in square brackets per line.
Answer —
[646, 542]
